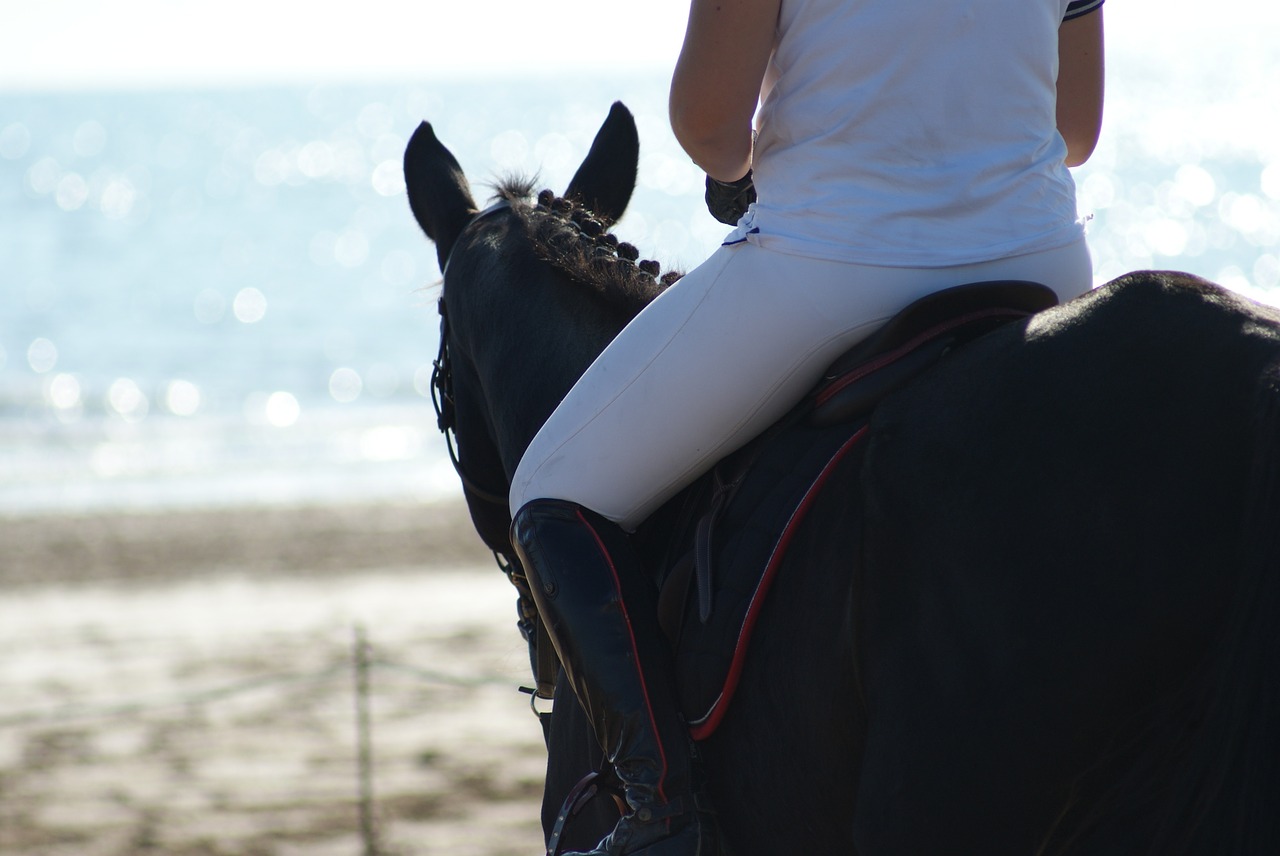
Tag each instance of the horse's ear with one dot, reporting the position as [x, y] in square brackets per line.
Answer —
[438, 190]
[606, 179]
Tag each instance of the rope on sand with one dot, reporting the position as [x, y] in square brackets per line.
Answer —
[131, 707]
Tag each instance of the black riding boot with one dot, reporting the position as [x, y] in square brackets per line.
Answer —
[601, 613]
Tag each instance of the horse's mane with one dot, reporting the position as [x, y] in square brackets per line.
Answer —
[576, 242]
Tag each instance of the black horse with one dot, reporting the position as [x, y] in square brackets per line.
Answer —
[1038, 612]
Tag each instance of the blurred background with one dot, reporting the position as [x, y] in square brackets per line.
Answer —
[210, 287]
[212, 290]
[216, 325]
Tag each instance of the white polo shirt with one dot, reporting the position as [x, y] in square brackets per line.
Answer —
[880, 142]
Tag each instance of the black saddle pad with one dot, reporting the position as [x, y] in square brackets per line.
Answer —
[776, 479]
[749, 546]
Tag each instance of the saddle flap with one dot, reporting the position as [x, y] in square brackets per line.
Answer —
[941, 307]
[760, 520]
[915, 339]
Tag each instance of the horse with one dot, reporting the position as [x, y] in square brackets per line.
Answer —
[1035, 613]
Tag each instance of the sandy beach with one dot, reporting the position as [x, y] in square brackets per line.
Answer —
[184, 683]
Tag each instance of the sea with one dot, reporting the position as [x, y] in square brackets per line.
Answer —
[218, 297]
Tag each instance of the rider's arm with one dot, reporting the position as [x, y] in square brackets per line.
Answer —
[1081, 72]
[717, 82]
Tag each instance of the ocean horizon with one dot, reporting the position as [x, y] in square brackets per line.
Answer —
[217, 297]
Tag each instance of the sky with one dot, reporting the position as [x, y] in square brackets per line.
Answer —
[87, 44]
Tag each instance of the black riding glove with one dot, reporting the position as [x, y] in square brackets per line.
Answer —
[728, 201]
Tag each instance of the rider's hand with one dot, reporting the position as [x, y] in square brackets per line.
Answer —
[728, 201]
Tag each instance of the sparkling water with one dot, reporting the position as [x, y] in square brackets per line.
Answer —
[220, 297]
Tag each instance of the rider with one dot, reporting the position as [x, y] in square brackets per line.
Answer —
[898, 149]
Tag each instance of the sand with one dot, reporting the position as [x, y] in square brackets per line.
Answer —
[184, 683]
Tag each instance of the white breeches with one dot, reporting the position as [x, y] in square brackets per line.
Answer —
[721, 355]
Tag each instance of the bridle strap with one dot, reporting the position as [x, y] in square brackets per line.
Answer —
[546, 665]
[447, 413]
[442, 376]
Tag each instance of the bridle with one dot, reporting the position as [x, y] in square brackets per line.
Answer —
[442, 396]
[544, 661]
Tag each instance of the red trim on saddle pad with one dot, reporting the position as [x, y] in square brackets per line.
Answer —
[704, 727]
[874, 365]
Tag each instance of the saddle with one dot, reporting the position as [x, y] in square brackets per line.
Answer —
[712, 597]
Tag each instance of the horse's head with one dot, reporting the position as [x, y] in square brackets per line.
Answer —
[535, 289]
[440, 195]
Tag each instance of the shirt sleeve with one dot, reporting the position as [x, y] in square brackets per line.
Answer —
[1077, 8]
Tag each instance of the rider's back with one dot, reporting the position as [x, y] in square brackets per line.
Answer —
[913, 134]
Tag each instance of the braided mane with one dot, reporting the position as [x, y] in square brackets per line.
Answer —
[573, 240]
